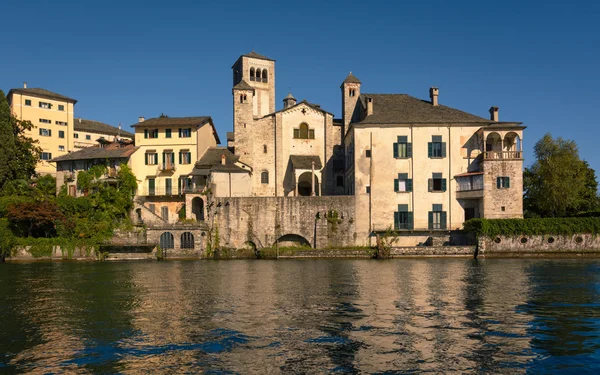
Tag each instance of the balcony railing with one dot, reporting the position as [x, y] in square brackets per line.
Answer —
[167, 167]
[490, 155]
[162, 192]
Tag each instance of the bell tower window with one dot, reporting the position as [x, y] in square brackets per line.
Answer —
[258, 72]
[252, 77]
[351, 92]
[265, 76]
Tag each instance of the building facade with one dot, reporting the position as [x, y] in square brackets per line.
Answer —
[87, 132]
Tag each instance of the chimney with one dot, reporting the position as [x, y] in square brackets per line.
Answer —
[369, 106]
[79, 119]
[494, 113]
[223, 159]
[433, 94]
[141, 119]
[24, 85]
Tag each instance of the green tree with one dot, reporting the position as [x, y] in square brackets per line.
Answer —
[19, 154]
[557, 184]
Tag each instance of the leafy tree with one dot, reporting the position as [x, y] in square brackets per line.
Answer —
[7, 240]
[558, 183]
[34, 219]
[19, 153]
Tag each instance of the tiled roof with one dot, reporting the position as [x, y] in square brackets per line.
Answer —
[90, 126]
[305, 161]
[111, 151]
[351, 79]
[243, 85]
[42, 93]
[403, 109]
[212, 160]
[180, 121]
[257, 56]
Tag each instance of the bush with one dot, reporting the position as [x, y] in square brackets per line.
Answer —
[537, 226]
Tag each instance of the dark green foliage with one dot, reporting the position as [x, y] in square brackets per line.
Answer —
[558, 184]
[535, 226]
[18, 154]
[7, 240]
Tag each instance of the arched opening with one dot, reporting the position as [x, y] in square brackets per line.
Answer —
[264, 177]
[138, 214]
[252, 77]
[198, 208]
[304, 131]
[493, 145]
[292, 240]
[187, 240]
[512, 144]
[265, 76]
[258, 75]
[166, 241]
[305, 184]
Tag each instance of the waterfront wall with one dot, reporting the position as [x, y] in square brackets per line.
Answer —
[538, 245]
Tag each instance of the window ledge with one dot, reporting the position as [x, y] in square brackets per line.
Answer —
[403, 158]
[437, 157]
[403, 192]
[438, 191]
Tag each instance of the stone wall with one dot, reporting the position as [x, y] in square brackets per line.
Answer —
[432, 251]
[198, 230]
[263, 221]
[538, 245]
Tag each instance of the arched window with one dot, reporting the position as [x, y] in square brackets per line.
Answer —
[252, 74]
[258, 75]
[166, 241]
[264, 177]
[304, 132]
[187, 240]
[351, 92]
[265, 149]
[265, 76]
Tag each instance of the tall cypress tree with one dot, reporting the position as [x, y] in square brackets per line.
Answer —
[19, 154]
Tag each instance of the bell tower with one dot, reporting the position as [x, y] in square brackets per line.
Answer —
[258, 72]
[350, 94]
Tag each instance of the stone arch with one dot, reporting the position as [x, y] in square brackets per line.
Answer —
[512, 142]
[187, 240]
[264, 177]
[167, 241]
[305, 184]
[493, 142]
[265, 76]
[292, 240]
[138, 215]
[198, 208]
[258, 76]
[252, 77]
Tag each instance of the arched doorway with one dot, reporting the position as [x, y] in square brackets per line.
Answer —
[187, 240]
[292, 240]
[166, 241]
[198, 208]
[305, 184]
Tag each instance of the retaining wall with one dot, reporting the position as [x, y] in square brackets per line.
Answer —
[539, 245]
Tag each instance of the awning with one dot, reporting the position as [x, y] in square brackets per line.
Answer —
[305, 162]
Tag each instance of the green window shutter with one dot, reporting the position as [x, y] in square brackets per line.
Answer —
[430, 219]
[173, 158]
[395, 150]
[436, 138]
[145, 133]
[409, 150]
[429, 149]
[396, 185]
[180, 158]
[443, 184]
[296, 133]
[402, 176]
[409, 184]
[179, 186]
[50, 132]
[443, 220]
[146, 159]
[443, 149]
[430, 185]
[402, 139]
[507, 182]
[164, 157]
[396, 220]
[498, 182]
[403, 208]
[411, 220]
[155, 158]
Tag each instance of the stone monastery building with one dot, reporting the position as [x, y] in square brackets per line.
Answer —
[390, 161]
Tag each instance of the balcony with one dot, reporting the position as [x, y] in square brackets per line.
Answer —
[503, 155]
[167, 167]
[172, 192]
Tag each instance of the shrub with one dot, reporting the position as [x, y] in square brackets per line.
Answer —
[532, 227]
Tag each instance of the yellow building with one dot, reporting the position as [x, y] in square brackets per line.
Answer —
[87, 132]
[52, 116]
[168, 149]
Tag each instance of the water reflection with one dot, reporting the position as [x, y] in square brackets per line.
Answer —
[314, 316]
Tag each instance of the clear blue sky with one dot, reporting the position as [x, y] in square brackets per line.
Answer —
[537, 60]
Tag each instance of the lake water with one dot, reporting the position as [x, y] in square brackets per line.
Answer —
[502, 316]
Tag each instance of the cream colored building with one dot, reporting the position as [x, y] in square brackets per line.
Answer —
[52, 116]
[87, 132]
[168, 150]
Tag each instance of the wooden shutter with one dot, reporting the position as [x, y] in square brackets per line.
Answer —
[395, 150]
[429, 150]
[409, 150]
[443, 149]
[396, 220]
[296, 133]
[146, 159]
[430, 185]
[507, 182]
[443, 220]
[430, 219]
[50, 132]
[173, 158]
[155, 158]
[443, 184]
[145, 133]
[409, 184]
[411, 220]
[396, 185]
[498, 182]
[180, 158]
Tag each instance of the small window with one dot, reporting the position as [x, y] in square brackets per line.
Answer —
[185, 133]
[351, 92]
[45, 105]
[265, 149]
[164, 214]
[368, 153]
[258, 76]
[403, 184]
[304, 132]
[61, 148]
[76, 136]
[437, 183]
[368, 190]
[403, 219]
[402, 148]
[61, 134]
[167, 133]
[437, 217]
[436, 148]
[45, 121]
[27, 102]
[64, 123]
[61, 107]
[185, 157]
[45, 132]
[151, 158]
[264, 177]
[252, 76]
[503, 182]
[152, 207]
[265, 76]
[151, 133]
[88, 137]
[46, 156]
